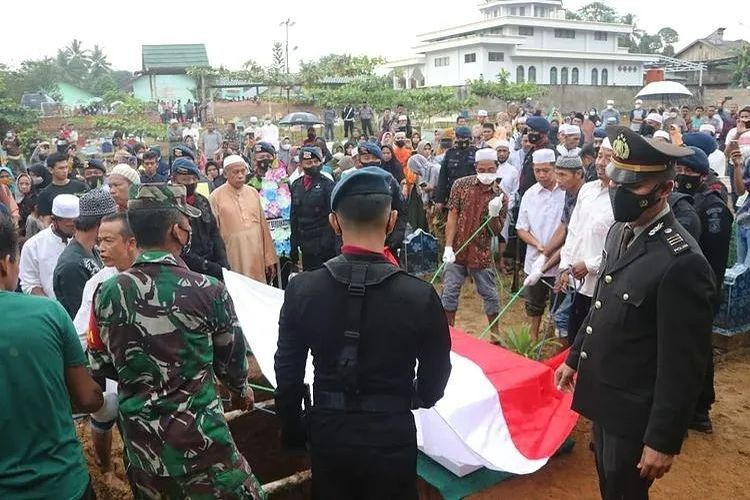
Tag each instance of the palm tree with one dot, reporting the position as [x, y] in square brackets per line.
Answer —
[77, 55]
[98, 62]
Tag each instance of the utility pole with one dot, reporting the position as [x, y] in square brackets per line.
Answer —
[286, 25]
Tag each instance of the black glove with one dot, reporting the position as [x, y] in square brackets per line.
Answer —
[294, 434]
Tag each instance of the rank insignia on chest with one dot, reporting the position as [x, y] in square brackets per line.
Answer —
[656, 229]
[677, 243]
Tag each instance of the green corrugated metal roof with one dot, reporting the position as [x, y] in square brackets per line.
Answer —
[178, 56]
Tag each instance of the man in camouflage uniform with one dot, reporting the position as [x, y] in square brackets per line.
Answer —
[166, 333]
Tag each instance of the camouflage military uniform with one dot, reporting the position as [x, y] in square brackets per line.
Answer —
[165, 332]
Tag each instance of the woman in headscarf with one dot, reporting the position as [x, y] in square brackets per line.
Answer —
[391, 164]
[415, 140]
[387, 138]
[26, 200]
[503, 125]
[40, 177]
[285, 152]
[7, 187]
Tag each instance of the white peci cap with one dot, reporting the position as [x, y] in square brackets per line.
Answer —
[234, 159]
[655, 117]
[606, 144]
[66, 206]
[485, 154]
[482, 112]
[543, 156]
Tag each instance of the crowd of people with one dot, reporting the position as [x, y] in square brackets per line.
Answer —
[111, 242]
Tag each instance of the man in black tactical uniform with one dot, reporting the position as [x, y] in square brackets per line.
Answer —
[206, 253]
[642, 351]
[311, 204]
[370, 155]
[357, 318]
[716, 234]
[458, 162]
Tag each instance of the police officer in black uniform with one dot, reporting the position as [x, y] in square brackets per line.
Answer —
[642, 352]
[370, 155]
[357, 318]
[458, 162]
[311, 204]
[716, 233]
[206, 253]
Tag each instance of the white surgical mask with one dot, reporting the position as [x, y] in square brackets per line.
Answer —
[637, 106]
[610, 106]
[487, 179]
[286, 147]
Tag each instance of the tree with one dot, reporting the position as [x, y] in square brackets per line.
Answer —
[740, 69]
[597, 12]
[503, 88]
[668, 37]
[98, 64]
[338, 65]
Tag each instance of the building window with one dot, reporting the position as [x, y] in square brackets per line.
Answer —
[522, 11]
[512, 11]
[553, 76]
[564, 76]
[526, 31]
[594, 76]
[519, 75]
[532, 74]
[497, 56]
[442, 61]
[605, 77]
[600, 36]
[574, 76]
[470, 58]
[561, 33]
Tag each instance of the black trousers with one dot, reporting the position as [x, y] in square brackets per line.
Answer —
[578, 312]
[708, 395]
[348, 128]
[367, 127]
[364, 473]
[616, 464]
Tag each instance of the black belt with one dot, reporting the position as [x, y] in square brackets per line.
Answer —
[366, 403]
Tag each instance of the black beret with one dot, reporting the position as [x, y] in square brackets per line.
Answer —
[366, 180]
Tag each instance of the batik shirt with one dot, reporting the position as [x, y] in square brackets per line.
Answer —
[165, 333]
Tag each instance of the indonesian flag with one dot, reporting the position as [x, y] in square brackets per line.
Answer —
[500, 410]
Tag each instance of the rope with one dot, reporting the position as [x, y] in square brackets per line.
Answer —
[474, 235]
[261, 388]
[504, 310]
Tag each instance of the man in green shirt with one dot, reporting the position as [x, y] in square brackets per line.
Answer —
[42, 370]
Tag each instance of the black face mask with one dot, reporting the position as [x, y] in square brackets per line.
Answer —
[647, 130]
[94, 182]
[190, 189]
[688, 184]
[263, 165]
[371, 164]
[188, 244]
[400, 143]
[462, 144]
[312, 171]
[628, 206]
[534, 137]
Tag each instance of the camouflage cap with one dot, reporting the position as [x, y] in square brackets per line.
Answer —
[155, 196]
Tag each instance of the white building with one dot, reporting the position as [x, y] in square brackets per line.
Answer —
[532, 40]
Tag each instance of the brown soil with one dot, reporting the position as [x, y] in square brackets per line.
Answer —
[710, 467]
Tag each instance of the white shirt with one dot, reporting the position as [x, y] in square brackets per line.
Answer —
[38, 260]
[510, 180]
[539, 214]
[269, 133]
[516, 159]
[81, 321]
[589, 224]
[718, 163]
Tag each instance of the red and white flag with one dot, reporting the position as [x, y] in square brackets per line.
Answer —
[500, 410]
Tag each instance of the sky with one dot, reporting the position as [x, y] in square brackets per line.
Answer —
[234, 35]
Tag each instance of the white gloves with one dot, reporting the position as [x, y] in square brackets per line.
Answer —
[448, 256]
[495, 206]
[108, 411]
[536, 271]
